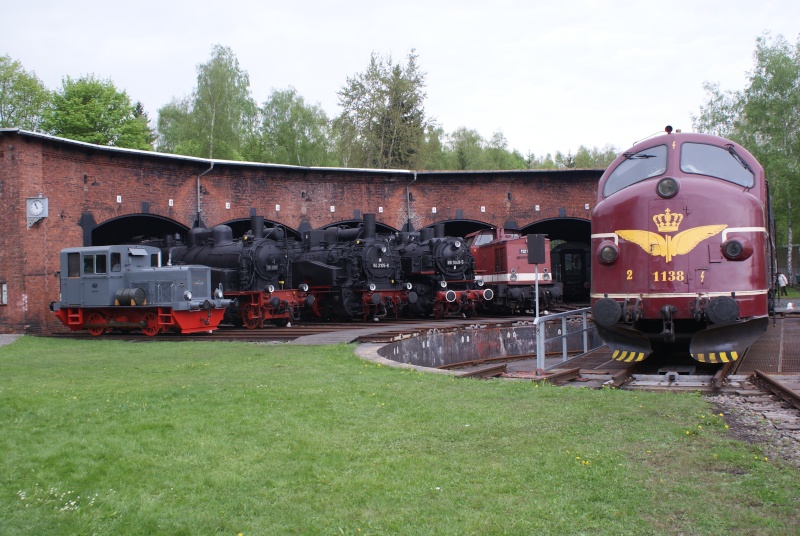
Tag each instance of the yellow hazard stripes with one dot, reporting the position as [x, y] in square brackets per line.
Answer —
[628, 357]
[716, 357]
[713, 357]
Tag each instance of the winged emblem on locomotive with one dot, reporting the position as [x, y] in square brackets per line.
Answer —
[670, 246]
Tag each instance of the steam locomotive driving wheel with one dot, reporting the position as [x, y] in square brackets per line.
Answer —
[252, 317]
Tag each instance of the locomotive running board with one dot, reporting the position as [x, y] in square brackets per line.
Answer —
[725, 344]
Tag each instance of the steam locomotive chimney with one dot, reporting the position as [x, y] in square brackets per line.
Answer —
[257, 226]
[369, 226]
[438, 230]
[425, 234]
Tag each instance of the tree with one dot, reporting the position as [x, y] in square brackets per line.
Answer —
[93, 110]
[498, 155]
[765, 118]
[23, 97]
[593, 158]
[383, 122]
[466, 146]
[292, 132]
[219, 119]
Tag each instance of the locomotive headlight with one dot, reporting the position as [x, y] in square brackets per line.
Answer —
[270, 289]
[383, 249]
[546, 276]
[513, 276]
[372, 287]
[607, 252]
[667, 188]
[443, 284]
[457, 243]
[218, 294]
[409, 286]
[187, 295]
[736, 249]
[303, 287]
[479, 282]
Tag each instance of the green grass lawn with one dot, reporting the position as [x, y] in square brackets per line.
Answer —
[106, 437]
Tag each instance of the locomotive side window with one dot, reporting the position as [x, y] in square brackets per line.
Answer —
[719, 162]
[100, 264]
[88, 264]
[483, 238]
[94, 264]
[116, 262]
[637, 167]
[73, 264]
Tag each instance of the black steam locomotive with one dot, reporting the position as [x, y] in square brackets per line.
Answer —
[336, 273]
[441, 271]
[255, 271]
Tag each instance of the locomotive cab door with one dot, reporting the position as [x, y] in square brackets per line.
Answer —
[96, 288]
[71, 284]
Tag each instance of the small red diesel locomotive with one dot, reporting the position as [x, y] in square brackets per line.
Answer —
[682, 249]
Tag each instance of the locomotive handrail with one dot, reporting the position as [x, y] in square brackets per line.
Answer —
[542, 321]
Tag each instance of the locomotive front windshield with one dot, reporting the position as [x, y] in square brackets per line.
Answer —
[720, 162]
[637, 167]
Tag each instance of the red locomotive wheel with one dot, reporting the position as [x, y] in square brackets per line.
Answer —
[251, 315]
[151, 327]
[98, 323]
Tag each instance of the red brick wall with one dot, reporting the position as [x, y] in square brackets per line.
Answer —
[83, 179]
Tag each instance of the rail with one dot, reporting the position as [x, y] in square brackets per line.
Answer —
[541, 333]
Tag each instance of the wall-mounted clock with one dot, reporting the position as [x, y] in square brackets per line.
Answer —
[35, 209]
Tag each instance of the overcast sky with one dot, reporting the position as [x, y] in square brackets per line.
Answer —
[550, 75]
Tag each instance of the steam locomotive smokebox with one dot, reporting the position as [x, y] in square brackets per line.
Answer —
[536, 252]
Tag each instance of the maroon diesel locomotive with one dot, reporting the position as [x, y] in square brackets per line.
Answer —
[682, 249]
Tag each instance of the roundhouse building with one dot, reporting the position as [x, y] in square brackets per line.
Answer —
[61, 193]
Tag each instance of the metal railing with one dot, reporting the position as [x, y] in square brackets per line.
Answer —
[541, 325]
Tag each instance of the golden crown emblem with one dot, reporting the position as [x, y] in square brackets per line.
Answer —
[668, 222]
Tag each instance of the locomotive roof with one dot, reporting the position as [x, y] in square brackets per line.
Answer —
[131, 249]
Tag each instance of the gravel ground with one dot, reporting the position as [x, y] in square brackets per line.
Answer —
[746, 419]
